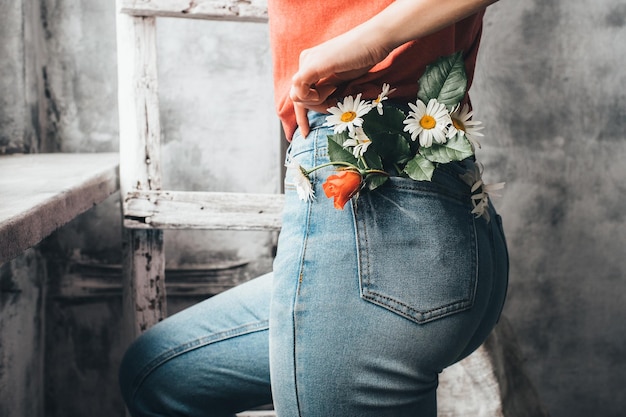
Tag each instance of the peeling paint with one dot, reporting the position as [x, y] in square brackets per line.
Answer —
[192, 5]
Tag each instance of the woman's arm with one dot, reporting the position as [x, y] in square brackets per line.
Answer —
[353, 53]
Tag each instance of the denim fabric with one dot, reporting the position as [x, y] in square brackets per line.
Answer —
[364, 308]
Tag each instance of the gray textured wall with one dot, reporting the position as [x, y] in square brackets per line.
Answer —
[22, 305]
[20, 56]
[22, 281]
[549, 87]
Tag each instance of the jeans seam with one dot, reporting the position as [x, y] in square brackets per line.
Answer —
[497, 228]
[295, 301]
[195, 344]
[430, 190]
[301, 274]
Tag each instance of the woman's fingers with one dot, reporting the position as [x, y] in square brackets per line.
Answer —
[313, 98]
[301, 119]
[311, 95]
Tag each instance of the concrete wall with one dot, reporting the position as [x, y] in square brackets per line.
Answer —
[22, 280]
[551, 88]
[548, 87]
[22, 306]
[20, 81]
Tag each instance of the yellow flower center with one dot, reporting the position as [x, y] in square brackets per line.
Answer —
[348, 116]
[428, 122]
[458, 124]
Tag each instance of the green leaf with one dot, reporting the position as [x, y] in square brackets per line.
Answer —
[445, 80]
[393, 148]
[372, 160]
[374, 181]
[339, 138]
[420, 168]
[336, 151]
[455, 149]
[389, 122]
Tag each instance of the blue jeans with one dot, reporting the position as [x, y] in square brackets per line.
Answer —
[364, 308]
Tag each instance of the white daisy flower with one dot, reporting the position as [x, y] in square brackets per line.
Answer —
[378, 103]
[463, 124]
[480, 200]
[429, 123]
[359, 140]
[348, 115]
[301, 180]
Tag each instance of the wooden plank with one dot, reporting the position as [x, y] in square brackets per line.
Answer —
[140, 126]
[144, 262]
[143, 295]
[41, 192]
[202, 210]
[237, 10]
[268, 413]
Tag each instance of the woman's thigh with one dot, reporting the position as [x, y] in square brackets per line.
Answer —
[211, 359]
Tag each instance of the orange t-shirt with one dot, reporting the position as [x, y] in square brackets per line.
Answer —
[294, 27]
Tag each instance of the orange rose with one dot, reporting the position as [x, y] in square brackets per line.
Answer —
[342, 187]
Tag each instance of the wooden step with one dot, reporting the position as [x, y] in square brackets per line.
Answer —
[202, 210]
[269, 413]
[237, 10]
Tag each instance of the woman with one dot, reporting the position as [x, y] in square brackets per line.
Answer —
[367, 304]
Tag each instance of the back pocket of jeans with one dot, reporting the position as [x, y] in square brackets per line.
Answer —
[417, 251]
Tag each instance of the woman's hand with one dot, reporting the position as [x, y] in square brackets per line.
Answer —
[323, 67]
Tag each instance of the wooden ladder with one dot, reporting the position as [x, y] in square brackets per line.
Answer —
[147, 209]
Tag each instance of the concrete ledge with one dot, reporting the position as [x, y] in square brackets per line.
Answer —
[41, 192]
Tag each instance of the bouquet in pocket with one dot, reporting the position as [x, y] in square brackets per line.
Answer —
[373, 140]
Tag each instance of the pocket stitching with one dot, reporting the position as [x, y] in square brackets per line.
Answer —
[397, 306]
[433, 190]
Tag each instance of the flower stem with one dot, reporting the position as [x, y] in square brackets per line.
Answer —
[327, 164]
[362, 172]
[377, 171]
[364, 163]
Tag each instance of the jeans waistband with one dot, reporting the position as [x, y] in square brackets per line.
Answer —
[316, 119]
[447, 175]
[316, 139]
